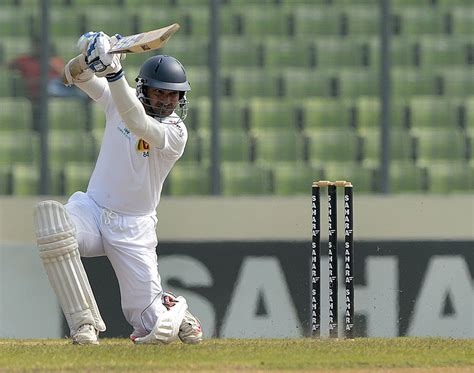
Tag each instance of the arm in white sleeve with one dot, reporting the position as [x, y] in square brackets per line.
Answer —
[94, 87]
[133, 114]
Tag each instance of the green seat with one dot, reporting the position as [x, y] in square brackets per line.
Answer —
[233, 113]
[288, 52]
[245, 82]
[270, 113]
[245, 179]
[304, 83]
[264, 20]
[71, 146]
[189, 179]
[76, 176]
[67, 114]
[463, 19]
[403, 51]
[440, 144]
[406, 176]
[408, 82]
[236, 51]
[458, 81]
[70, 24]
[333, 52]
[333, 145]
[111, 20]
[358, 82]
[320, 20]
[434, 112]
[362, 20]
[12, 47]
[198, 115]
[18, 21]
[15, 113]
[444, 51]
[150, 18]
[191, 51]
[368, 113]
[292, 178]
[419, 20]
[11, 83]
[401, 145]
[198, 78]
[25, 180]
[196, 146]
[450, 177]
[19, 147]
[279, 145]
[322, 113]
[362, 176]
[235, 145]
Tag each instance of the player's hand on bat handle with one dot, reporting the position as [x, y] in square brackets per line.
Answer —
[95, 46]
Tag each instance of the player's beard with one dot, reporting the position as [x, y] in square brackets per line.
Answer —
[159, 110]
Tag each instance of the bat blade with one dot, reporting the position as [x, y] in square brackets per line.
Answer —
[145, 41]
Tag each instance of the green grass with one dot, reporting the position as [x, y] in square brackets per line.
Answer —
[362, 354]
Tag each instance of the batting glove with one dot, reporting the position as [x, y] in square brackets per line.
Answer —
[95, 46]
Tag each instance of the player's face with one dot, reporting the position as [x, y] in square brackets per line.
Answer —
[163, 101]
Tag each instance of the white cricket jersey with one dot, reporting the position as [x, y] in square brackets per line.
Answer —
[129, 174]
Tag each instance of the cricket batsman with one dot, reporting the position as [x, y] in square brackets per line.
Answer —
[144, 137]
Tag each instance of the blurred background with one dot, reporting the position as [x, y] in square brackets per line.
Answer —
[284, 92]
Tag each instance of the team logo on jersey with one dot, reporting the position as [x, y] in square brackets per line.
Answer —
[143, 147]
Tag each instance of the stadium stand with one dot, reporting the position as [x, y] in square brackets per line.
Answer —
[299, 87]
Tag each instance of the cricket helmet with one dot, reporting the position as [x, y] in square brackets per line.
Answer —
[162, 72]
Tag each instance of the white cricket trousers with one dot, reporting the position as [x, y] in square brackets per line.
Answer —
[129, 242]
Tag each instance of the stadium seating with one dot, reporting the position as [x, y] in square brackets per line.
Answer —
[463, 19]
[326, 113]
[407, 82]
[434, 112]
[418, 20]
[440, 144]
[245, 179]
[304, 83]
[19, 146]
[189, 179]
[445, 51]
[15, 113]
[5, 180]
[71, 146]
[279, 145]
[76, 176]
[336, 52]
[268, 113]
[295, 178]
[321, 20]
[240, 52]
[18, 21]
[401, 145]
[288, 52]
[368, 113]
[362, 176]
[333, 145]
[457, 81]
[450, 177]
[67, 114]
[406, 176]
[358, 82]
[246, 82]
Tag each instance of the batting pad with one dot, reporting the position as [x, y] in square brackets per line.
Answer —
[57, 243]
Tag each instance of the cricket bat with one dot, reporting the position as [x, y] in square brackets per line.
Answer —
[138, 43]
[145, 41]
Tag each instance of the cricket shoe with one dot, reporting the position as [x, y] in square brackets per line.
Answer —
[86, 335]
[190, 330]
